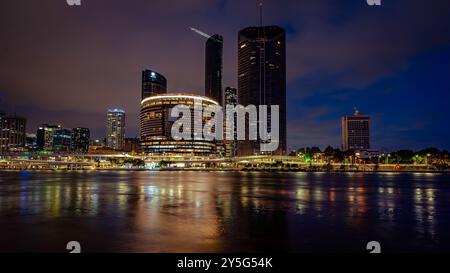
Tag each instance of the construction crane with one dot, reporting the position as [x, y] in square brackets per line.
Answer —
[201, 33]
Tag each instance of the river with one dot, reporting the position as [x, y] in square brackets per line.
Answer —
[192, 211]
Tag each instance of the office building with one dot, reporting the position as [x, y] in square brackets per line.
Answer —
[44, 136]
[153, 84]
[356, 132]
[262, 78]
[61, 140]
[213, 68]
[12, 133]
[80, 140]
[31, 142]
[156, 124]
[115, 128]
[231, 100]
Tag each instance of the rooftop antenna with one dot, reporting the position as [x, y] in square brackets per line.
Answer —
[262, 58]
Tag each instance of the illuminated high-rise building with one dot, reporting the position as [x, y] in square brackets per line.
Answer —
[44, 136]
[12, 133]
[231, 100]
[62, 139]
[156, 125]
[262, 78]
[356, 132]
[153, 84]
[115, 128]
[213, 68]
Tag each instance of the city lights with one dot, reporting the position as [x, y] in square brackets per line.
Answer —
[272, 133]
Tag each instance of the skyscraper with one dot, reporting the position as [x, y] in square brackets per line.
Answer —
[231, 145]
[12, 133]
[115, 128]
[356, 132]
[262, 77]
[213, 68]
[153, 84]
[61, 139]
[80, 140]
[156, 126]
[44, 136]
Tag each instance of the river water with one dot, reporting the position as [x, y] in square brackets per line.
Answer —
[126, 211]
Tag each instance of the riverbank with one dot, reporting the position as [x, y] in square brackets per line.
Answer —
[224, 170]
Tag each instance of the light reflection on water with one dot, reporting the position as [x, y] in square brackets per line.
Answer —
[223, 211]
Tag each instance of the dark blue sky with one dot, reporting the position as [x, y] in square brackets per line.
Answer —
[409, 107]
[68, 65]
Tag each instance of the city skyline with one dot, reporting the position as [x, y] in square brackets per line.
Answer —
[197, 130]
[327, 75]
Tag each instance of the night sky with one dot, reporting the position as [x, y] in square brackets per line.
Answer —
[61, 64]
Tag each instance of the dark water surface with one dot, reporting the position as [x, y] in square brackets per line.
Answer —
[223, 211]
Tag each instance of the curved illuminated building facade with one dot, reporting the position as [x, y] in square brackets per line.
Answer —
[156, 124]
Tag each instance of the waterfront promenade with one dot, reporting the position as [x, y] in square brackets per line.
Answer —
[149, 162]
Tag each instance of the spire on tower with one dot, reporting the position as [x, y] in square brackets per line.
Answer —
[260, 14]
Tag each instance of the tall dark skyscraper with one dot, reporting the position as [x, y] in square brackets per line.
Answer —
[153, 84]
[262, 77]
[213, 68]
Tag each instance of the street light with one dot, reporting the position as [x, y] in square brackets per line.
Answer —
[428, 155]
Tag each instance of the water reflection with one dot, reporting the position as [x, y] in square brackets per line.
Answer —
[424, 209]
[223, 211]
